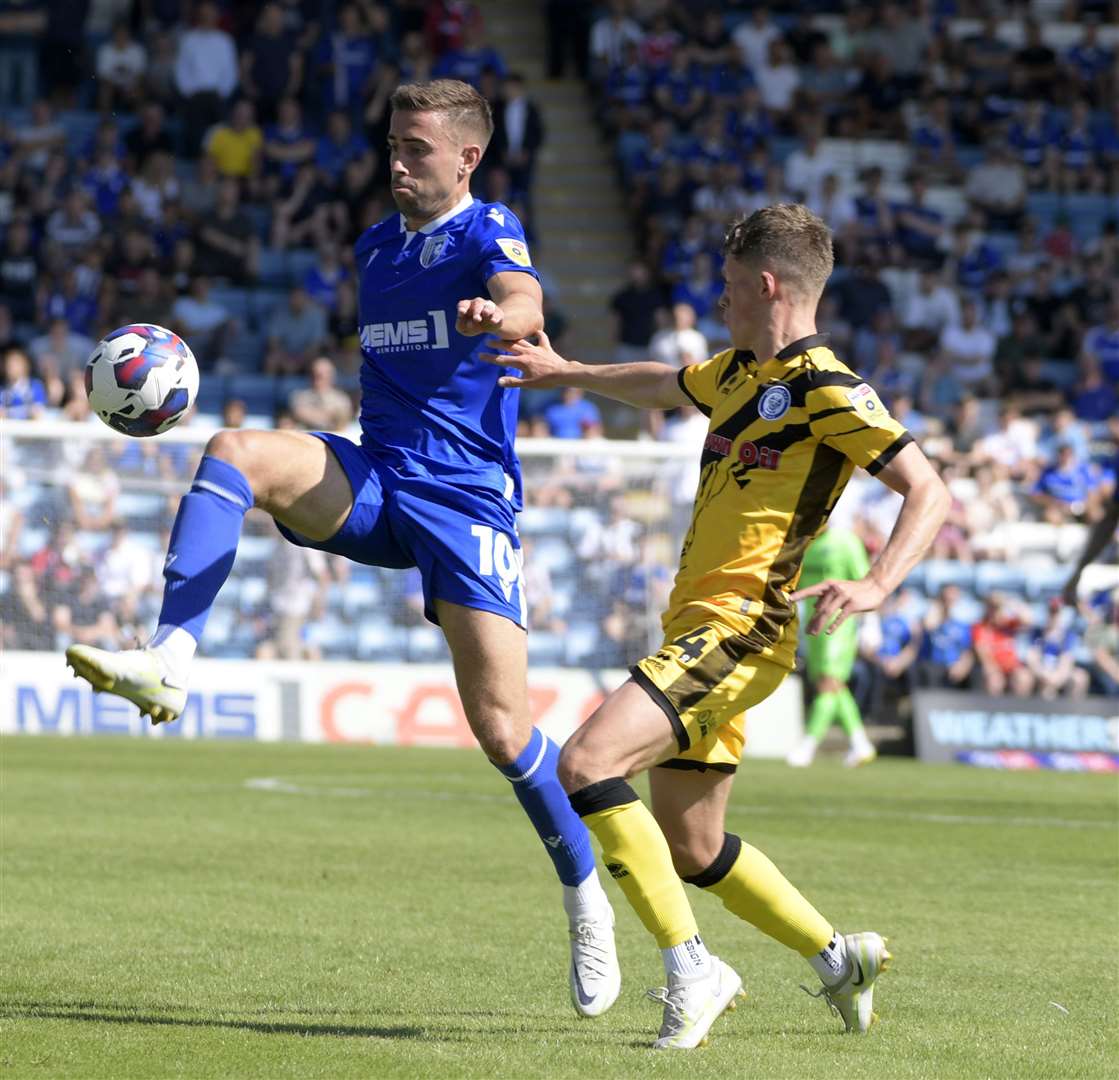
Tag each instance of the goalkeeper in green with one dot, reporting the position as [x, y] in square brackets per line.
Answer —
[835, 554]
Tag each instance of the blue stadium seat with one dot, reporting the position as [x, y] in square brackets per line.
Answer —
[254, 551]
[580, 642]
[377, 640]
[273, 267]
[1043, 583]
[358, 597]
[941, 572]
[545, 647]
[253, 590]
[999, 577]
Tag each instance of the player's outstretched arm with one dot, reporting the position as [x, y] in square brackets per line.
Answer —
[647, 385]
[514, 308]
[925, 506]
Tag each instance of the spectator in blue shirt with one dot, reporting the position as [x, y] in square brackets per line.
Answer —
[1052, 657]
[1032, 136]
[340, 146]
[347, 62]
[470, 59]
[1089, 62]
[1101, 343]
[945, 657]
[1093, 399]
[894, 653]
[322, 281]
[573, 416]
[680, 92]
[22, 397]
[701, 289]
[1067, 489]
[287, 146]
[920, 228]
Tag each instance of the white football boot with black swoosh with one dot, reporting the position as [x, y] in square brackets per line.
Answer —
[853, 999]
[596, 977]
[139, 675]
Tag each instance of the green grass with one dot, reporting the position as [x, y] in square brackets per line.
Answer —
[395, 918]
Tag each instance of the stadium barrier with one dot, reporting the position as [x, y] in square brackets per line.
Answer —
[369, 704]
[1017, 733]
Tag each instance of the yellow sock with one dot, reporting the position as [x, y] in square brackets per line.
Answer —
[752, 888]
[636, 854]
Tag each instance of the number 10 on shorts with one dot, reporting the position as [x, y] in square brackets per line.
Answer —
[496, 555]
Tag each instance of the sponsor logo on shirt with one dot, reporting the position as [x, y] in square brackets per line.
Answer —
[749, 453]
[407, 335]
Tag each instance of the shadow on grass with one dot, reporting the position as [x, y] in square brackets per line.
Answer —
[91, 1013]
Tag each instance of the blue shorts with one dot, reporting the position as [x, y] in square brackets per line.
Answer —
[463, 540]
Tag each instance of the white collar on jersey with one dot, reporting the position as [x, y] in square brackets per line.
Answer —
[464, 203]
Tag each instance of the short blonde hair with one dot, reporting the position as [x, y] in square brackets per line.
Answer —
[464, 109]
[787, 238]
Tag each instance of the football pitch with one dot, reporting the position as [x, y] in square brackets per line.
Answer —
[255, 910]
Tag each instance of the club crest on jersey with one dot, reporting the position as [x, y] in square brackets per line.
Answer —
[433, 248]
[775, 402]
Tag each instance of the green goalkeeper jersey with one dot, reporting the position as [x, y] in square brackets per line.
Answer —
[836, 553]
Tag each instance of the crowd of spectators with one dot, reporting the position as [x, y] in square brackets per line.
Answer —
[215, 172]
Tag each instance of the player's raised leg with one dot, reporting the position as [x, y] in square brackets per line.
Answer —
[292, 476]
[628, 733]
[691, 809]
[490, 660]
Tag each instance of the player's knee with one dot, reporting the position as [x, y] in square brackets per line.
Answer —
[693, 853]
[499, 738]
[573, 765]
[232, 447]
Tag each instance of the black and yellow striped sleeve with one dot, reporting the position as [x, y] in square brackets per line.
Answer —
[853, 420]
[701, 381]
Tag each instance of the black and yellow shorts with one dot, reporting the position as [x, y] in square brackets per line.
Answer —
[705, 682]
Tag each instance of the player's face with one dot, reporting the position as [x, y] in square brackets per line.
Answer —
[430, 166]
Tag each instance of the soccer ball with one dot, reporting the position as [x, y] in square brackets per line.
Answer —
[141, 379]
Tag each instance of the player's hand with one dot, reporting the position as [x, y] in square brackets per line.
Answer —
[839, 600]
[540, 366]
[479, 316]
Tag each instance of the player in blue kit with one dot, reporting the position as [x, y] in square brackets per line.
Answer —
[435, 482]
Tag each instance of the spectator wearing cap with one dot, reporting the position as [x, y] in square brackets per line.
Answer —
[995, 639]
[205, 75]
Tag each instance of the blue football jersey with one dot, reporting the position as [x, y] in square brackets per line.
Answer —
[429, 406]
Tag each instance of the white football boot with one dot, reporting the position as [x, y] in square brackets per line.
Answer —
[803, 754]
[596, 977]
[139, 675]
[692, 1006]
[853, 1000]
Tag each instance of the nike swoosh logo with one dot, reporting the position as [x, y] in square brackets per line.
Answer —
[584, 998]
[858, 967]
[170, 685]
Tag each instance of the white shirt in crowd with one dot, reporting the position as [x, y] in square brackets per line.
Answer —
[805, 172]
[753, 42]
[777, 85]
[124, 568]
[972, 351]
[207, 61]
[931, 311]
[121, 67]
[516, 120]
[838, 210]
[609, 38]
[679, 348]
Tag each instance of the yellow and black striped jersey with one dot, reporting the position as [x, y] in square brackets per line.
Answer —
[784, 438]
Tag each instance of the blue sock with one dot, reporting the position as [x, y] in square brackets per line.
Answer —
[203, 544]
[533, 776]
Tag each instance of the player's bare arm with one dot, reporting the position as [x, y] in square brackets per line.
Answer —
[646, 385]
[925, 506]
[514, 308]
